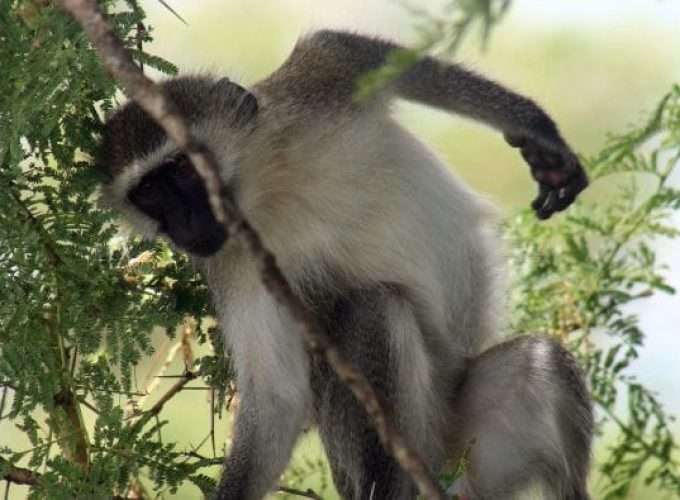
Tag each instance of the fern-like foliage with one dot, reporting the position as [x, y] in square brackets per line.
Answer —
[577, 276]
[78, 302]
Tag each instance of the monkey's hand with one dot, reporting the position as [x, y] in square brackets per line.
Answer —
[557, 170]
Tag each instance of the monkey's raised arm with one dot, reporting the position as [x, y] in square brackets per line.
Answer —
[323, 70]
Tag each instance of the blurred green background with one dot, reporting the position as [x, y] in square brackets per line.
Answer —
[596, 66]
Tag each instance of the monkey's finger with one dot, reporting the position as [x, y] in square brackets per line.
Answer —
[543, 191]
[564, 198]
[559, 199]
[568, 194]
[548, 207]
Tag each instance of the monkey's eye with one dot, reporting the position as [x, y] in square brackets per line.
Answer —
[146, 193]
[148, 197]
[178, 167]
[145, 188]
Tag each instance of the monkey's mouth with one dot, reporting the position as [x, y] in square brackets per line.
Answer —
[206, 247]
[200, 242]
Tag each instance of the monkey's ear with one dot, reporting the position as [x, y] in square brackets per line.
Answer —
[246, 105]
[246, 109]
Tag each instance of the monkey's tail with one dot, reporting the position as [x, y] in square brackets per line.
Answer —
[525, 416]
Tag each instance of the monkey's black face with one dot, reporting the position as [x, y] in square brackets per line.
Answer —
[173, 194]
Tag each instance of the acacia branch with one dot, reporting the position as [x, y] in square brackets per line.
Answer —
[300, 493]
[151, 98]
[65, 419]
[19, 475]
[177, 387]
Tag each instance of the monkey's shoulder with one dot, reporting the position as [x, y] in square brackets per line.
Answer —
[321, 75]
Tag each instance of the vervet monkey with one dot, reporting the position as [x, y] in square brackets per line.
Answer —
[394, 254]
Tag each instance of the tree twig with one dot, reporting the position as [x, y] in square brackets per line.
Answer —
[151, 98]
[158, 405]
[300, 493]
[173, 11]
[19, 475]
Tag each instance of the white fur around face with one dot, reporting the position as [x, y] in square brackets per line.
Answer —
[217, 136]
[115, 194]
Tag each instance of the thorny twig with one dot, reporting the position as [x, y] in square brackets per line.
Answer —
[150, 97]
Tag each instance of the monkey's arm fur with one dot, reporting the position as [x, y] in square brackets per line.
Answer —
[332, 62]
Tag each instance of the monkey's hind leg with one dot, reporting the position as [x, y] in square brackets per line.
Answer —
[525, 409]
[361, 468]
